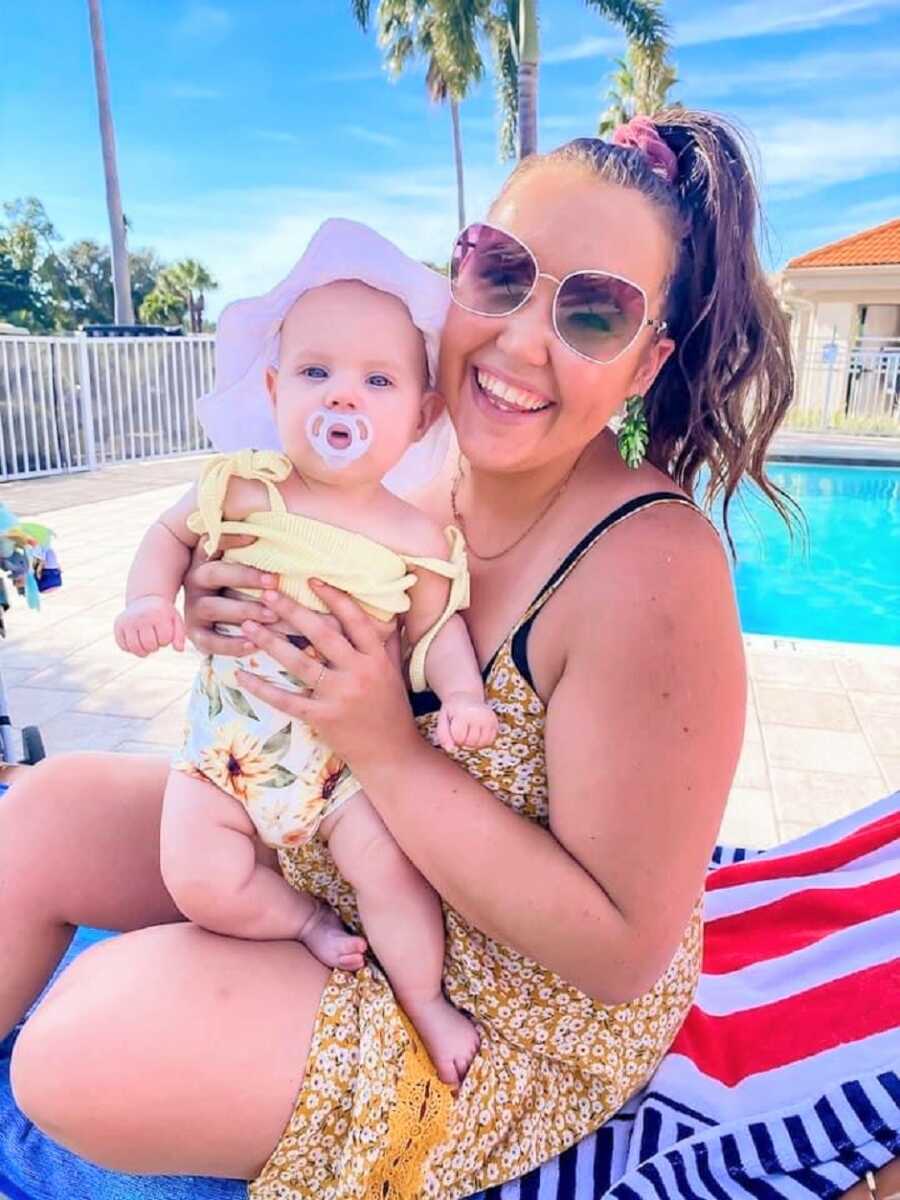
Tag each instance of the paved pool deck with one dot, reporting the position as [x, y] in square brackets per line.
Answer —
[822, 726]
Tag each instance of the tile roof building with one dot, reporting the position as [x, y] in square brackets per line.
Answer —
[878, 247]
[844, 301]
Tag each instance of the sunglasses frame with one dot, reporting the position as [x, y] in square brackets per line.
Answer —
[659, 326]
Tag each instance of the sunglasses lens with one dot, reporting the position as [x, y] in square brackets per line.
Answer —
[599, 315]
[490, 272]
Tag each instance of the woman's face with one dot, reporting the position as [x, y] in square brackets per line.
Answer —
[571, 221]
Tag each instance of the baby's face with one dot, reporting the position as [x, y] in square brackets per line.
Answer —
[350, 388]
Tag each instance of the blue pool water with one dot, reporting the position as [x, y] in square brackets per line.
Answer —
[846, 586]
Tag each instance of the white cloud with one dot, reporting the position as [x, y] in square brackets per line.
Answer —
[276, 135]
[799, 72]
[886, 208]
[373, 136]
[854, 219]
[763, 17]
[208, 22]
[801, 155]
[190, 91]
[719, 23]
[250, 238]
[589, 47]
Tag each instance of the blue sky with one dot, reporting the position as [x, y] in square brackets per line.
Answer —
[243, 123]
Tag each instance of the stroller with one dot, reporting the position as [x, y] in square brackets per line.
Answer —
[28, 566]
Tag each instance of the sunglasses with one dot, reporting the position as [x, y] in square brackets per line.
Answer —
[595, 313]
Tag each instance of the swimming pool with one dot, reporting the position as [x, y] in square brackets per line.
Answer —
[847, 587]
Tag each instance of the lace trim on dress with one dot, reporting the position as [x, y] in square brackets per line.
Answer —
[419, 1122]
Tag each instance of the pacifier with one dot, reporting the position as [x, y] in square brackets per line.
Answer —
[339, 438]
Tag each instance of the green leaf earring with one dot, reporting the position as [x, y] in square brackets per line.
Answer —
[634, 433]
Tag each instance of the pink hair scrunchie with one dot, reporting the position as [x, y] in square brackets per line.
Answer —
[641, 134]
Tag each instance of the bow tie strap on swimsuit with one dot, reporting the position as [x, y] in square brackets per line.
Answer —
[296, 548]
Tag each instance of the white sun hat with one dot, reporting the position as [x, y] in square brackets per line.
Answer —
[237, 413]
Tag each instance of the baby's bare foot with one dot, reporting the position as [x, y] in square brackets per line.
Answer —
[332, 944]
[450, 1038]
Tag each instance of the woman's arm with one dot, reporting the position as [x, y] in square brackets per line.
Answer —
[643, 734]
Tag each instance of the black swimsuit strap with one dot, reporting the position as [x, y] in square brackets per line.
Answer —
[425, 702]
[519, 636]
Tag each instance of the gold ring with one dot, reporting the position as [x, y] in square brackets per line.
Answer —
[319, 678]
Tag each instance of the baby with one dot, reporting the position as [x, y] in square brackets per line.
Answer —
[350, 392]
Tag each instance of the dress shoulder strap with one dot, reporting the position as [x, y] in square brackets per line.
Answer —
[267, 466]
[456, 570]
[519, 636]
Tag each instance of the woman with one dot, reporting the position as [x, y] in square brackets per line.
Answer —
[613, 657]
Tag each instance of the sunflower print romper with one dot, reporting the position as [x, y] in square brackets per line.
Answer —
[372, 1121]
[280, 770]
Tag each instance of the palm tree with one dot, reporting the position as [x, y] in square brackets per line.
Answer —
[124, 311]
[443, 33]
[513, 30]
[162, 307]
[191, 280]
[641, 86]
[180, 288]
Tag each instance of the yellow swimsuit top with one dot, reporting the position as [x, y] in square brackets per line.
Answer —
[295, 547]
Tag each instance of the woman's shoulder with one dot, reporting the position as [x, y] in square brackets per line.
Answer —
[644, 511]
[656, 558]
[660, 535]
[660, 590]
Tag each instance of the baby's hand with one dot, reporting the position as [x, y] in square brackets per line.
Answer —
[147, 624]
[465, 720]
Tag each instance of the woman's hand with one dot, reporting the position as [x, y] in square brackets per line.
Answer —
[358, 699]
[205, 607]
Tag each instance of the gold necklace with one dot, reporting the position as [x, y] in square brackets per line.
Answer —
[460, 520]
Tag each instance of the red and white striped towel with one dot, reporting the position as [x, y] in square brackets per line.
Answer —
[785, 1079]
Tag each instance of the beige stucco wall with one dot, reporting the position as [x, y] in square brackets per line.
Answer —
[825, 304]
[825, 301]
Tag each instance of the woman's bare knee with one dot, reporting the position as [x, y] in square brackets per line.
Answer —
[172, 1051]
[54, 1056]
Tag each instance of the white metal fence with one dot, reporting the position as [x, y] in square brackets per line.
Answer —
[851, 386]
[75, 403]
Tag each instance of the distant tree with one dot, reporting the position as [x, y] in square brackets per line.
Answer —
[88, 282]
[640, 86]
[444, 34]
[88, 285]
[28, 249]
[50, 287]
[180, 291]
[20, 304]
[145, 267]
[162, 307]
[513, 32]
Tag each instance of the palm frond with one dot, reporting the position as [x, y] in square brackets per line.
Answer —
[500, 33]
[641, 20]
[361, 10]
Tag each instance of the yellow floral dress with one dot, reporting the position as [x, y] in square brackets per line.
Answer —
[371, 1121]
